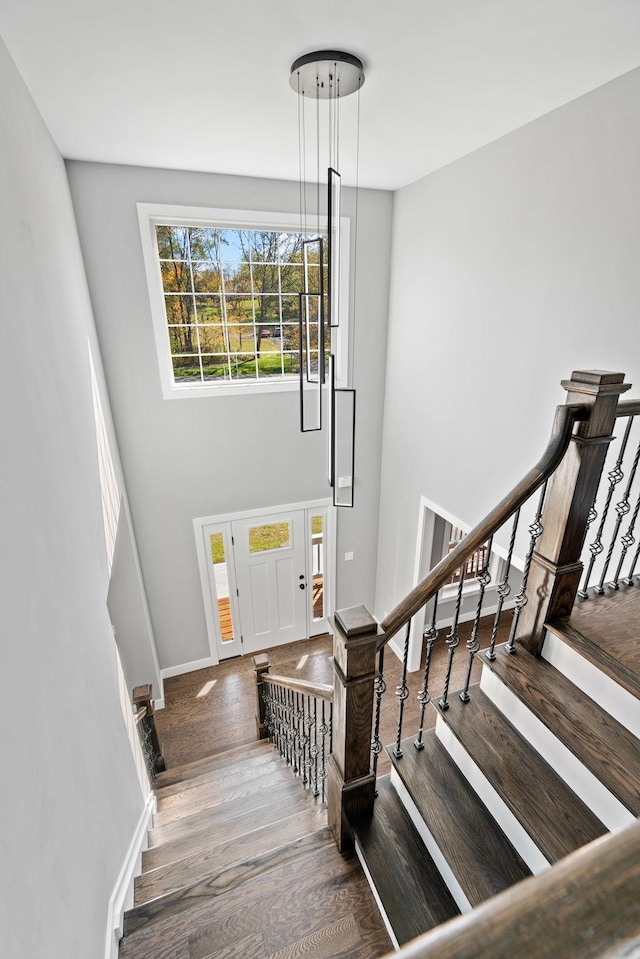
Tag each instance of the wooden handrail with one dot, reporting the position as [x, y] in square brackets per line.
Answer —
[566, 417]
[628, 408]
[586, 906]
[319, 690]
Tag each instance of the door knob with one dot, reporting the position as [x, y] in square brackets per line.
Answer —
[302, 586]
[301, 576]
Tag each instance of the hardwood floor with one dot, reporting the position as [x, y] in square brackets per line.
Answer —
[200, 719]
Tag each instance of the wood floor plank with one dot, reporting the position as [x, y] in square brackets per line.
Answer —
[327, 942]
[392, 848]
[217, 833]
[601, 743]
[251, 947]
[204, 797]
[218, 815]
[211, 860]
[479, 854]
[610, 622]
[525, 782]
[173, 903]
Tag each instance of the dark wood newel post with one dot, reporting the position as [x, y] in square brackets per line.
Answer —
[261, 666]
[556, 568]
[350, 782]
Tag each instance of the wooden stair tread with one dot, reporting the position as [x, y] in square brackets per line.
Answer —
[184, 771]
[525, 781]
[251, 765]
[213, 794]
[286, 902]
[601, 743]
[213, 886]
[214, 833]
[390, 845]
[481, 857]
[283, 793]
[210, 860]
[622, 671]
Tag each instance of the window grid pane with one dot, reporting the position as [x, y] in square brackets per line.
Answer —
[231, 302]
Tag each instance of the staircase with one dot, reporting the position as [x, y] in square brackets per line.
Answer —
[240, 863]
[529, 770]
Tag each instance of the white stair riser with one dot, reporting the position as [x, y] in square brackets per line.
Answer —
[514, 831]
[609, 810]
[608, 694]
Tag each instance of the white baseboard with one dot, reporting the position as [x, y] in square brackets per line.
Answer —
[158, 703]
[122, 895]
[186, 668]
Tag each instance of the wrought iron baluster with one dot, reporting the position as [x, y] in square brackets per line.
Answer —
[473, 643]
[521, 600]
[629, 580]
[324, 730]
[504, 588]
[402, 692]
[305, 740]
[622, 508]
[614, 477]
[424, 696]
[453, 641]
[315, 748]
[379, 688]
[287, 720]
[281, 744]
[295, 731]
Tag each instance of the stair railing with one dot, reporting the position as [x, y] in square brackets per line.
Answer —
[296, 716]
[609, 557]
[566, 480]
[142, 701]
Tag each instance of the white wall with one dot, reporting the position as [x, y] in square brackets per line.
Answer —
[188, 458]
[129, 614]
[70, 795]
[510, 268]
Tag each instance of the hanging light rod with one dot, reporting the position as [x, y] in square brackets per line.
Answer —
[326, 74]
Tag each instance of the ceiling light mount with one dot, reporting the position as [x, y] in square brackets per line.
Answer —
[326, 74]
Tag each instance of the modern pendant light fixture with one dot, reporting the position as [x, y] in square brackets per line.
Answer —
[326, 77]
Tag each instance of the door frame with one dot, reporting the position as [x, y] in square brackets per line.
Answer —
[221, 518]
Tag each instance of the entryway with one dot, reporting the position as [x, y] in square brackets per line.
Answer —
[265, 576]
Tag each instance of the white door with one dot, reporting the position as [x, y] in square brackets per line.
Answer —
[222, 610]
[271, 575]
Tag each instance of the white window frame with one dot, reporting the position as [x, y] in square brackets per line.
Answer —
[151, 215]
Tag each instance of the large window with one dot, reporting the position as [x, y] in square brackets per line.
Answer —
[225, 295]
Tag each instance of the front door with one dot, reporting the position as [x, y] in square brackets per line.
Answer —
[271, 575]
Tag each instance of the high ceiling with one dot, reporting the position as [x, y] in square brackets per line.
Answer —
[203, 85]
